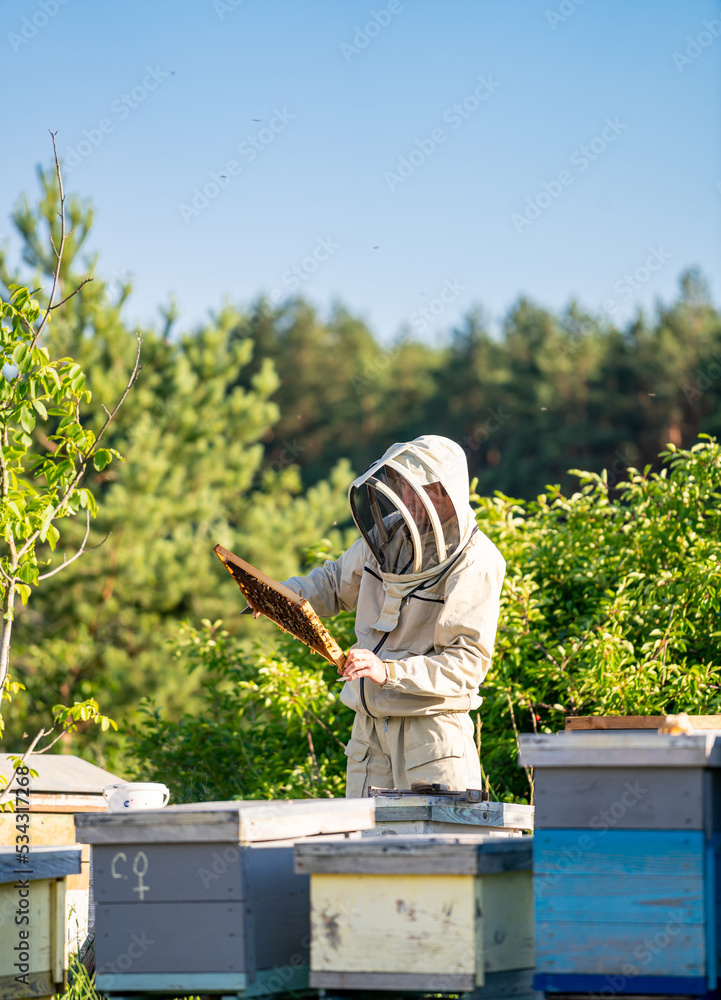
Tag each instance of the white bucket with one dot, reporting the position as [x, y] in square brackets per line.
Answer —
[128, 795]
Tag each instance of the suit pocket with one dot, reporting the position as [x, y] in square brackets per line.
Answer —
[428, 753]
[359, 757]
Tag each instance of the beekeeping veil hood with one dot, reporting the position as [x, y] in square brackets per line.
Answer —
[412, 509]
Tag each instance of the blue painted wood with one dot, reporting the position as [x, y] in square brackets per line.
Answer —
[43, 862]
[182, 982]
[608, 986]
[653, 853]
[586, 947]
[635, 899]
[267, 982]
[710, 914]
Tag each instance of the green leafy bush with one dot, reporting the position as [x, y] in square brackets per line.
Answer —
[611, 602]
[611, 605]
[270, 724]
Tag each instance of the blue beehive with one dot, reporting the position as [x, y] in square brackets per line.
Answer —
[626, 866]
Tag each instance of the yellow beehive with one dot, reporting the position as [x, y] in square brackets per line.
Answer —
[427, 914]
[32, 920]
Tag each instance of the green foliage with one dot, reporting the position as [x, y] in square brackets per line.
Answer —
[269, 725]
[611, 605]
[195, 475]
[45, 450]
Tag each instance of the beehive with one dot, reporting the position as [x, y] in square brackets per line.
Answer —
[202, 898]
[626, 866]
[421, 914]
[32, 920]
[64, 785]
[405, 814]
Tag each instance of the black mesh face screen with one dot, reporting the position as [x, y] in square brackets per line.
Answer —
[383, 528]
[385, 507]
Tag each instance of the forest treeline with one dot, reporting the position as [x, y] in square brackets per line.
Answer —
[246, 430]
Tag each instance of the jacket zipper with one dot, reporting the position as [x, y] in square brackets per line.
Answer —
[422, 586]
[377, 649]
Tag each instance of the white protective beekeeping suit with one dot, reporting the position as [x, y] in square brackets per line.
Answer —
[426, 584]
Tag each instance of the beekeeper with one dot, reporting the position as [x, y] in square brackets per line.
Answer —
[426, 584]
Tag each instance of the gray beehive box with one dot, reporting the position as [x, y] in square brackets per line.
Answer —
[203, 898]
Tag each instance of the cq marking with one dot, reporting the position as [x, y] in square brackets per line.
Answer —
[140, 869]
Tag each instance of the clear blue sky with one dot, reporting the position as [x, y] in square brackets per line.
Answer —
[654, 182]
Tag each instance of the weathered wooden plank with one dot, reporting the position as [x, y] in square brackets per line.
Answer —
[53, 862]
[519, 817]
[409, 924]
[635, 899]
[169, 937]
[620, 798]
[653, 853]
[436, 808]
[40, 984]
[61, 773]
[409, 827]
[578, 723]
[506, 904]
[422, 982]
[619, 749]
[54, 830]
[229, 822]
[664, 949]
[465, 854]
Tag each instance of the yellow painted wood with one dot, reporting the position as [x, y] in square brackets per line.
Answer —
[40, 926]
[57, 931]
[506, 902]
[45, 829]
[399, 923]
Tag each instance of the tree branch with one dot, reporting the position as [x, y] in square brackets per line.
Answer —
[89, 454]
[58, 252]
[63, 301]
[66, 562]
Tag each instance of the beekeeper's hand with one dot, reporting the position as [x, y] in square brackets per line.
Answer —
[363, 663]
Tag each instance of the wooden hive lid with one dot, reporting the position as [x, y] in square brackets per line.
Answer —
[441, 854]
[404, 808]
[236, 822]
[577, 723]
[61, 774]
[43, 862]
[619, 748]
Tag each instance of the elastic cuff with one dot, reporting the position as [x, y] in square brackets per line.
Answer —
[394, 673]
